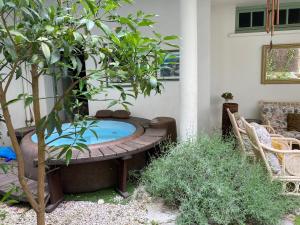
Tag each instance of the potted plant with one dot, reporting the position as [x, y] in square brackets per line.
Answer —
[227, 96]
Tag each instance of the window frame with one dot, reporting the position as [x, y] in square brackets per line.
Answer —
[259, 8]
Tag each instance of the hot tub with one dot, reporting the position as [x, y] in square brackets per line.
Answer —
[86, 174]
[106, 130]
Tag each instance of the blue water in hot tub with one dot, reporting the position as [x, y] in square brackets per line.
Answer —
[107, 130]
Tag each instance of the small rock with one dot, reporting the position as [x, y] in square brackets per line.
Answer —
[118, 199]
[101, 201]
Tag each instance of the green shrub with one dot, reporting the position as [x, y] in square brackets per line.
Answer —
[212, 184]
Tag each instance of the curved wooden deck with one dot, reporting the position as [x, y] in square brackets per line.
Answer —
[144, 141]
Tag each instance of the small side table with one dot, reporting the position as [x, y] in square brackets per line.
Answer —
[226, 124]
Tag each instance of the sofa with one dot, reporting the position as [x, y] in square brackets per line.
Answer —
[275, 114]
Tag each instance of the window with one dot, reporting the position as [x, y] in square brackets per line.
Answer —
[258, 19]
[294, 16]
[252, 19]
[245, 19]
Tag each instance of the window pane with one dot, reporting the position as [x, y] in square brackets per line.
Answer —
[294, 16]
[245, 19]
[258, 19]
[282, 16]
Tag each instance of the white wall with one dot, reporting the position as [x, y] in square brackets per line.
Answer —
[168, 103]
[17, 110]
[236, 66]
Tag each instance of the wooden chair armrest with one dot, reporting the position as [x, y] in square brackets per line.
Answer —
[284, 151]
[242, 131]
[292, 140]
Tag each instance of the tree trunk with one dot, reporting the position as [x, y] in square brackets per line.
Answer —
[16, 146]
[41, 146]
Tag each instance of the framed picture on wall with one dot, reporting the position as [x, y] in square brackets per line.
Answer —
[169, 70]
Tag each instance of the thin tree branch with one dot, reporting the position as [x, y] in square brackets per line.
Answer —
[11, 75]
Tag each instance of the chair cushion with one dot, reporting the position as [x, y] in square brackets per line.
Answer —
[293, 122]
[276, 113]
[280, 145]
[265, 138]
[289, 134]
[263, 135]
[121, 114]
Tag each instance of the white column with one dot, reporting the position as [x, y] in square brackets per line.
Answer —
[188, 70]
[204, 64]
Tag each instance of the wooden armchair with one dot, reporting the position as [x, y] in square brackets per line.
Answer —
[287, 159]
[241, 136]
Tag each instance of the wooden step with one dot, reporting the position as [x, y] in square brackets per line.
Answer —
[9, 182]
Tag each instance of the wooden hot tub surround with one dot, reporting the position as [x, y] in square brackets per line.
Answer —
[106, 164]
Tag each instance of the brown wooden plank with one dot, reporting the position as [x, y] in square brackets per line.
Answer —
[126, 147]
[155, 132]
[8, 180]
[85, 154]
[95, 153]
[117, 149]
[134, 145]
[146, 140]
[106, 151]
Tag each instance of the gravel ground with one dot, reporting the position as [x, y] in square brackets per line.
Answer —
[77, 212]
[141, 210]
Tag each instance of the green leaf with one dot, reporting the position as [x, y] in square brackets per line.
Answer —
[77, 36]
[28, 100]
[18, 34]
[92, 6]
[46, 51]
[83, 146]
[146, 23]
[115, 39]
[11, 4]
[68, 156]
[172, 37]
[7, 195]
[104, 28]
[1, 4]
[12, 101]
[34, 58]
[49, 28]
[112, 103]
[74, 62]
[55, 57]
[90, 24]
[18, 73]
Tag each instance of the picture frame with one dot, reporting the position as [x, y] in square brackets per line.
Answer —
[281, 64]
[170, 69]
